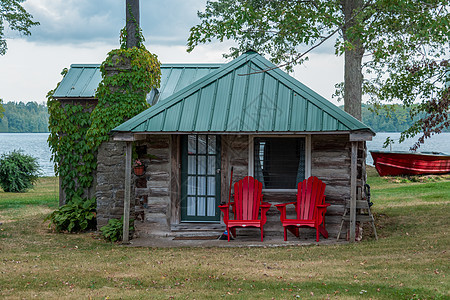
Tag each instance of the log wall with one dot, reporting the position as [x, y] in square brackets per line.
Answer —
[155, 190]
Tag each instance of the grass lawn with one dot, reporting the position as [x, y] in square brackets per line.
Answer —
[410, 260]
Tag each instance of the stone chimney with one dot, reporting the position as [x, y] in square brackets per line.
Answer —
[132, 15]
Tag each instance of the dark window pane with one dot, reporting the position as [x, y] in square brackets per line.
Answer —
[279, 162]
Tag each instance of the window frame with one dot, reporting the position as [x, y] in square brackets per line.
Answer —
[251, 156]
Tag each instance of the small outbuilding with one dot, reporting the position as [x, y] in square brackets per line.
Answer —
[247, 115]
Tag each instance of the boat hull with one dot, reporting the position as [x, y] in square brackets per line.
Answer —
[406, 163]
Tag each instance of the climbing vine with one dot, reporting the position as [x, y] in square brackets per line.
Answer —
[76, 131]
[128, 75]
[75, 161]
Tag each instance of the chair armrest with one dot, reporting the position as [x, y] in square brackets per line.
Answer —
[322, 209]
[282, 209]
[264, 208]
[285, 204]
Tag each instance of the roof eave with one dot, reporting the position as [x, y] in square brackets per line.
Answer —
[358, 135]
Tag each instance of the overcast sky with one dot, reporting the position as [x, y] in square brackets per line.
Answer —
[84, 31]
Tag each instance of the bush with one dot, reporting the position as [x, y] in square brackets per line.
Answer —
[75, 216]
[18, 171]
[114, 230]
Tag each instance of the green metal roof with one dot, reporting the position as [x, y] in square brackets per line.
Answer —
[231, 100]
[82, 80]
[174, 77]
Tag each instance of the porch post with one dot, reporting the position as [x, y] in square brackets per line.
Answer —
[126, 201]
[353, 175]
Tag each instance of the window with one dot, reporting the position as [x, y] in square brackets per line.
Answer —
[279, 163]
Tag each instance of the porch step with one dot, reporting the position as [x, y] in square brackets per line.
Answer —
[197, 229]
[208, 227]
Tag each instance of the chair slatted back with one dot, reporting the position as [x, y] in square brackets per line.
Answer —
[247, 198]
[310, 193]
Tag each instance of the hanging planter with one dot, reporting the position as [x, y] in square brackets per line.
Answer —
[138, 168]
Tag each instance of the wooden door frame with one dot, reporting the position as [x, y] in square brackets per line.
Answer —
[183, 188]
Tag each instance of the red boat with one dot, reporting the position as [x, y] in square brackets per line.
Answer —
[390, 163]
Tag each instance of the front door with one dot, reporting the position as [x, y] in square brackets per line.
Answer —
[200, 175]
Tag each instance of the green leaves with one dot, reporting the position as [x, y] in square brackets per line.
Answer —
[18, 19]
[278, 28]
[404, 44]
[2, 110]
[114, 230]
[76, 130]
[18, 171]
[78, 215]
[128, 76]
[75, 159]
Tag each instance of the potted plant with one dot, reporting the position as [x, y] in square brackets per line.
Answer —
[138, 167]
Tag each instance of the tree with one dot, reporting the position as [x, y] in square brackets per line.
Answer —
[21, 117]
[17, 18]
[2, 110]
[378, 37]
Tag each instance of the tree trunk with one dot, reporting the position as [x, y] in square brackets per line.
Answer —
[353, 78]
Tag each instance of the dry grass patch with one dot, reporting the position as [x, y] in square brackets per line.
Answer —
[410, 261]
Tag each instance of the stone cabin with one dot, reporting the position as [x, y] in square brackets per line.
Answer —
[209, 118]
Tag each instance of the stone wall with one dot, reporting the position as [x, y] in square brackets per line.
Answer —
[150, 200]
[110, 189]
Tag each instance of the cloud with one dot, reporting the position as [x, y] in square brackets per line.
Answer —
[84, 21]
[75, 21]
[78, 22]
[84, 31]
[34, 69]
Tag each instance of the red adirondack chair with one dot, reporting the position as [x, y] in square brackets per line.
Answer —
[246, 206]
[310, 208]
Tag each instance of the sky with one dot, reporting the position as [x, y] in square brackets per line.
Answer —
[84, 31]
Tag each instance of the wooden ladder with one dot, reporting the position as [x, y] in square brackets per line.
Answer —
[363, 214]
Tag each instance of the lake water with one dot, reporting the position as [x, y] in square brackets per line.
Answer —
[35, 144]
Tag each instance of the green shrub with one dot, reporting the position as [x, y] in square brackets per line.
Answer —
[18, 171]
[75, 216]
[114, 230]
